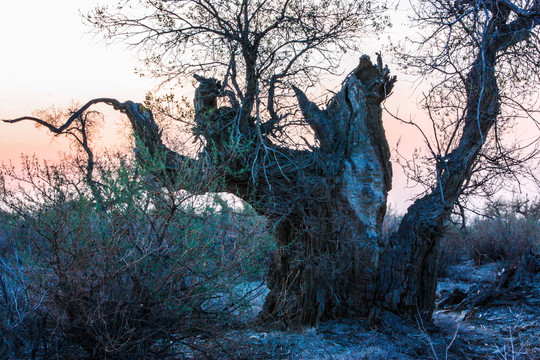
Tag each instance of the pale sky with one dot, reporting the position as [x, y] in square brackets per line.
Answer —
[49, 57]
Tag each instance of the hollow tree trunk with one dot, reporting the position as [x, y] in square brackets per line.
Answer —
[329, 244]
[325, 265]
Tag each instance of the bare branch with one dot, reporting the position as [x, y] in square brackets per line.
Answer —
[113, 102]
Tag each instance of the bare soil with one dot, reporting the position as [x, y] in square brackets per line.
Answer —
[506, 327]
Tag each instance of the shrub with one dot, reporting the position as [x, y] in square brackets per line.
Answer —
[503, 239]
[509, 230]
[130, 274]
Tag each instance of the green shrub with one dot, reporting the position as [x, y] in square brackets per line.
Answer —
[130, 274]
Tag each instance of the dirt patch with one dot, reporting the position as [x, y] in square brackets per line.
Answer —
[499, 330]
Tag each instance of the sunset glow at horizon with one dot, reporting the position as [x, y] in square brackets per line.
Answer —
[52, 59]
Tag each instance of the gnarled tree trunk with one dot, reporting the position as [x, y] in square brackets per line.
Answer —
[329, 203]
[330, 242]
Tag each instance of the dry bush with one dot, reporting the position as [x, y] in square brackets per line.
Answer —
[22, 324]
[509, 230]
[503, 239]
[129, 275]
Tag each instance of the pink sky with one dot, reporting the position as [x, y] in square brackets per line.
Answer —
[51, 58]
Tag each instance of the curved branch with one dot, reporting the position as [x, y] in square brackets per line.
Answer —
[113, 102]
[144, 127]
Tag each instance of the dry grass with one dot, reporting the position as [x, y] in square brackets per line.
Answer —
[503, 239]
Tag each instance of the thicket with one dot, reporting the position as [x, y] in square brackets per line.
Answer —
[506, 230]
[124, 268]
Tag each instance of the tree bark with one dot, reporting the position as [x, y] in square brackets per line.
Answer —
[329, 244]
[409, 269]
